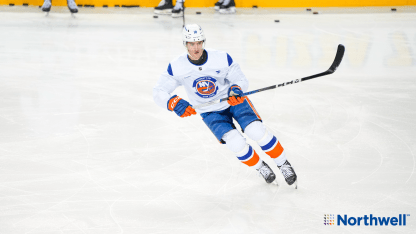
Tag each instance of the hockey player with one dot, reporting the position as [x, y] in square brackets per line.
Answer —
[166, 7]
[72, 6]
[208, 75]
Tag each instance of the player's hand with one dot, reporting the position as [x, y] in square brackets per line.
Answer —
[235, 93]
[181, 107]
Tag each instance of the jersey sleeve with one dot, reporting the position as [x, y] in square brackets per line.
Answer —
[162, 92]
[235, 75]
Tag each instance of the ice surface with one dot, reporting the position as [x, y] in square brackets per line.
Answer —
[84, 149]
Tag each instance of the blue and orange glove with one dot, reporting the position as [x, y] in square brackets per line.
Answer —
[181, 107]
[234, 94]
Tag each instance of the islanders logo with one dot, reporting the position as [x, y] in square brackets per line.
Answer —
[205, 87]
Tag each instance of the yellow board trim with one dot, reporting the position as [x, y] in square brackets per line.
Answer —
[239, 3]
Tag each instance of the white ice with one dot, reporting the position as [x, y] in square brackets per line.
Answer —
[84, 149]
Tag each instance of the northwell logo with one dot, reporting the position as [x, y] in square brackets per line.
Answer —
[366, 220]
[329, 219]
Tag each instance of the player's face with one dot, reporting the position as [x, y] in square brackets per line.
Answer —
[195, 49]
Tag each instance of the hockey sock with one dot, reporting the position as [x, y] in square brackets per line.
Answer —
[244, 152]
[249, 157]
[271, 146]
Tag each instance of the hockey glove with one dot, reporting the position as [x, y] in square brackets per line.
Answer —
[235, 93]
[181, 107]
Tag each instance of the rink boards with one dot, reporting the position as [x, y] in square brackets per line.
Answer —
[210, 3]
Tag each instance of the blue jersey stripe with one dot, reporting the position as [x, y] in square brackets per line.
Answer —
[270, 144]
[247, 156]
[230, 60]
[170, 70]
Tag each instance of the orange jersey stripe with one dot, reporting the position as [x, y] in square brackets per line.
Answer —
[252, 107]
[253, 160]
[276, 152]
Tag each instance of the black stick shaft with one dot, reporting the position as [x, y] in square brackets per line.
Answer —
[338, 58]
[332, 68]
[183, 16]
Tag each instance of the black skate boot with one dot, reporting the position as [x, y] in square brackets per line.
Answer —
[227, 7]
[47, 4]
[218, 5]
[267, 173]
[288, 173]
[164, 8]
[72, 6]
[178, 10]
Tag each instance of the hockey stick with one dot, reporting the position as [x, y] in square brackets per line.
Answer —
[183, 16]
[332, 69]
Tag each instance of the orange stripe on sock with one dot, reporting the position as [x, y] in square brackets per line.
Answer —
[276, 152]
[252, 107]
[253, 160]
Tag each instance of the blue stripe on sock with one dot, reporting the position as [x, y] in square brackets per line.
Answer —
[247, 156]
[270, 144]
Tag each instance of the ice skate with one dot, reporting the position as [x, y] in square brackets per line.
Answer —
[164, 8]
[178, 10]
[288, 173]
[46, 7]
[228, 7]
[218, 5]
[266, 172]
[72, 6]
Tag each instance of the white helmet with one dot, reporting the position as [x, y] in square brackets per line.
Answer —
[192, 32]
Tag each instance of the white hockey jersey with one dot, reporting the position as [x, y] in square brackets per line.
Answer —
[203, 83]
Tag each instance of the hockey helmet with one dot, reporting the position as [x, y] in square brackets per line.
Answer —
[191, 33]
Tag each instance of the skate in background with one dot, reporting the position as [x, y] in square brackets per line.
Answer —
[72, 6]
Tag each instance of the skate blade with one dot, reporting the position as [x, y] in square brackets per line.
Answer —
[177, 15]
[295, 184]
[163, 12]
[230, 10]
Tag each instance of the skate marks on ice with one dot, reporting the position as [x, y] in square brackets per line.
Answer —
[113, 162]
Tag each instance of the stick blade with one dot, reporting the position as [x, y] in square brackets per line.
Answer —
[338, 58]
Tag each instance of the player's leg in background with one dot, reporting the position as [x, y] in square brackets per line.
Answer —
[72, 6]
[177, 11]
[164, 8]
[228, 7]
[221, 125]
[47, 4]
[218, 5]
